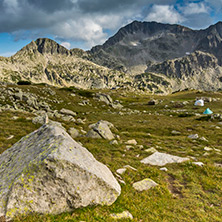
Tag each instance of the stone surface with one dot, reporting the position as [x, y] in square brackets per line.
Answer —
[144, 184]
[67, 112]
[101, 130]
[198, 163]
[174, 132]
[161, 159]
[104, 98]
[193, 136]
[73, 132]
[123, 215]
[121, 171]
[48, 172]
[131, 142]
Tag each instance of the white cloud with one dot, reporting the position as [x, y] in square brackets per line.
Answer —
[165, 14]
[81, 30]
[194, 8]
[66, 45]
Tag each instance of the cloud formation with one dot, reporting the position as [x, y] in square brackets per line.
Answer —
[91, 22]
[164, 14]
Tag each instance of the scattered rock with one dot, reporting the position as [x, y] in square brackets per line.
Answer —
[174, 132]
[10, 137]
[203, 139]
[163, 169]
[151, 150]
[123, 215]
[114, 142]
[198, 163]
[161, 159]
[131, 142]
[101, 130]
[80, 121]
[104, 98]
[193, 136]
[48, 172]
[40, 119]
[130, 167]
[207, 148]
[121, 171]
[67, 112]
[73, 132]
[217, 164]
[68, 118]
[145, 184]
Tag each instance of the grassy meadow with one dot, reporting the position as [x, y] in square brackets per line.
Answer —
[186, 192]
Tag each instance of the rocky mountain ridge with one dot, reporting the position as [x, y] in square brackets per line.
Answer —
[145, 43]
[150, 56]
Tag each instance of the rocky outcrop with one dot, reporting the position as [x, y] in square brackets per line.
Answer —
[48, 172]
[101, 129]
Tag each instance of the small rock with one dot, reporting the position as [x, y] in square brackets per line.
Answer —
[67, 112]
[121, 171]
[130, 167]
[68, 118]
[123, 215]
[174, 132]
[163, 169]
[217, 150]
[145, 184]
[151, 150]
[193, 136]
[198, 163]
[217, 164]
[80, 121]
[10, 137]
[128, 147]
[207, 148]
[113, 142]
[203, 139]
[131, 142]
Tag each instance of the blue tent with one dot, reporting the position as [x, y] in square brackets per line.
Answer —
[207, 111]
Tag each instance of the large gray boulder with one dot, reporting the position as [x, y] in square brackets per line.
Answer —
[48, 172]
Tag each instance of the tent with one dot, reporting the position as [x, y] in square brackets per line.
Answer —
[199, 102]
[207, 111]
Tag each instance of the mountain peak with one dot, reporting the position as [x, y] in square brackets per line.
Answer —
[45, 45]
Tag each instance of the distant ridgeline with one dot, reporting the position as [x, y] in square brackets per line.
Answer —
[149, 56]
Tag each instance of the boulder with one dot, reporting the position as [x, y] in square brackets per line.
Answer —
[48, 172]
[101, 129]
[67, 112]
[104, 98]
[161, 159]
[144, 184]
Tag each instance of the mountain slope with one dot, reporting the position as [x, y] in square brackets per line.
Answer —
[140, 44]
[46, 61]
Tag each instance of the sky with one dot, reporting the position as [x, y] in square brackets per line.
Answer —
[86, 23]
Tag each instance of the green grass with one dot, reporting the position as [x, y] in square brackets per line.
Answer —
[186, 192]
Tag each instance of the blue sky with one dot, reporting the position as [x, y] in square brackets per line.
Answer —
[86, 23]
